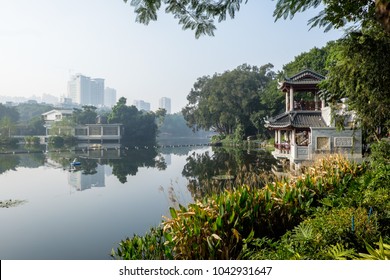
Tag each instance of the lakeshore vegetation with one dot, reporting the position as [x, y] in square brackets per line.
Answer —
[335, 209]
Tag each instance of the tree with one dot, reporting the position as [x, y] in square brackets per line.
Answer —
[225, 101]
[138, 127]
[337, 13]
[28, 111]
[63, 127]
[314, 59]
[9, 112]
[85, 116]
[8, 118]
[199, 15]
[161, 113]
[196, 15]
[358, 69]
[6, 124]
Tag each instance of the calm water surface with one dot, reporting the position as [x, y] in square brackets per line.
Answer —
[84, 212]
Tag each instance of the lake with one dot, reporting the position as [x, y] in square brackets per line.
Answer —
[82, 212]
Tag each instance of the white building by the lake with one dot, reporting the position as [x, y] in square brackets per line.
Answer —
[307, 128]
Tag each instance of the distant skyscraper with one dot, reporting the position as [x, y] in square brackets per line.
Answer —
[142, 105]
[109, 97]
[165, 103]
[97, 92]
[79, 89]
[86, 91]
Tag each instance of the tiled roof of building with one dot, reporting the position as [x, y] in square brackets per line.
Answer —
[297, 119]
[304, 78]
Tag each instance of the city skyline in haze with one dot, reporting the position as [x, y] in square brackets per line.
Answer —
[46, 42]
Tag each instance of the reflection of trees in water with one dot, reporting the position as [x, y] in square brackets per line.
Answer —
[11, 161]
[8, 162]
[225, 169]
[131, 160]
[123, 166]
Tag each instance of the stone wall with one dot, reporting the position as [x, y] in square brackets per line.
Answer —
[330, 140]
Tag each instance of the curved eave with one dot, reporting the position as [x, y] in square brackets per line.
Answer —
[299, 86]
[274, 127]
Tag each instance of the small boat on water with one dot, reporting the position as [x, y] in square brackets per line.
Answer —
[75, 162]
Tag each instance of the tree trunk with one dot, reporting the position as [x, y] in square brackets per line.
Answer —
[382, 10]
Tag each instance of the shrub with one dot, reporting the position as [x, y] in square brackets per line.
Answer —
[380, 152]
[148, 247]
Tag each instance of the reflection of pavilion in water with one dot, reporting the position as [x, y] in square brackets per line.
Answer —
[81, 181]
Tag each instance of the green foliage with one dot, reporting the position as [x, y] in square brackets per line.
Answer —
[8, 162]
[7, 125]
[193, 15]
[239, 133]
[28, 111]
[335, 14]
[85, 116]
[7, 142]
[31, 140]
[348, 226]
[223, 101]
[339, 252]
[139, 128]
[314, 59]
[287, 219]
[382, 253]
[199, 15]
[380, 152]
[376, 193]
[9, 112]
[148, 247]
[356, 71]
[56, 141]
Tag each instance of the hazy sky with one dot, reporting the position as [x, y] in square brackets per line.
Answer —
[42, 42]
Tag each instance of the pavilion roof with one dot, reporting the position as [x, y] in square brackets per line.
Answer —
[304, 80]
[297, 119]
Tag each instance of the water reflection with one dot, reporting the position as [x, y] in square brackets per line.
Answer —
[30, 160]
[207, 172]
[122, 161]
[210, 173]
[82, 181]
[114, 193]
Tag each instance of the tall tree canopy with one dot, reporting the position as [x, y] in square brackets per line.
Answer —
[359, 69]
[337, 13]
[139, 127]
[8, 118]
[225, 101]
[85, 116]
[315, 59]
[199, 15]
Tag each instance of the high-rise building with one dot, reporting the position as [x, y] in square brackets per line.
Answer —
[97, 92]
[165, 103]
[142, 105]
[86, 91]
[109, 97]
